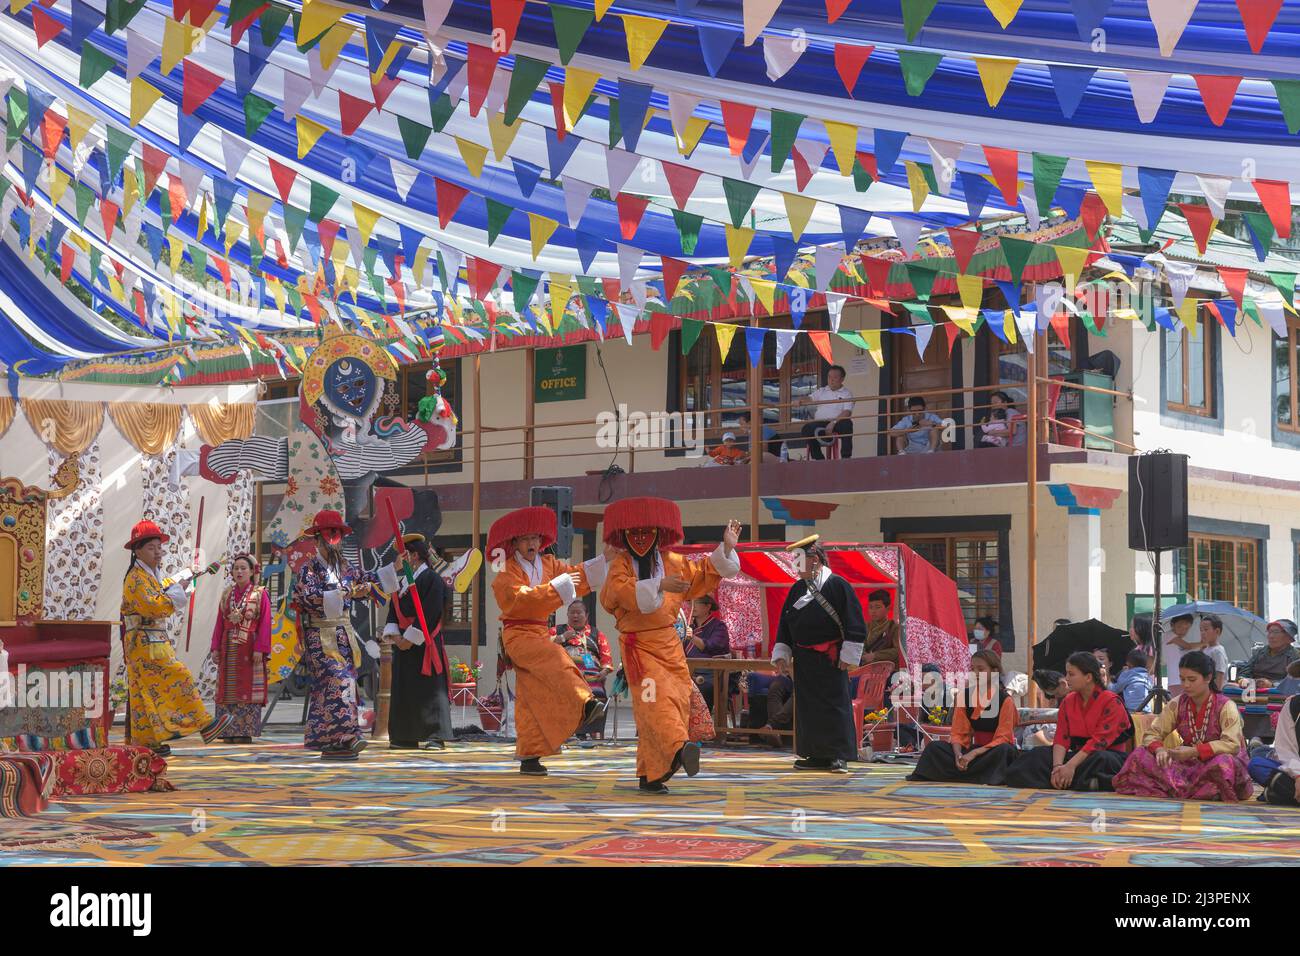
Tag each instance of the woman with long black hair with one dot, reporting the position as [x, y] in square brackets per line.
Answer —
[1093, 730]
[983, 731]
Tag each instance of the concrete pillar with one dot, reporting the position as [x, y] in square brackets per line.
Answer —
[1084, 566]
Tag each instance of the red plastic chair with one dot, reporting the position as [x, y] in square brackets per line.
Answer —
[872, 687]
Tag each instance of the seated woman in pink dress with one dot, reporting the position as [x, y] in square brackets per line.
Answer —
[1194, 750]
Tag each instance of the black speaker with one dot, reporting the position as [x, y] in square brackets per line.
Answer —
[560, 500]
[1157, 502]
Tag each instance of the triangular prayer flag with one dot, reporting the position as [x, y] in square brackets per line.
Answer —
[256, 110]
[995, 74]
[94, 64]
[716, 43]
[917, 67]
[915, 13]
[737, 119]
[1258, 16]
[738, 242]
[1217, 92]
[1148, 91]
[505, 21]
[630, 210]
[963, 242]
[1048, 170]
[681, 181]
[785, 127]
[283, 176]
[849, 60]
[524, 80]
[352, 111]
[1170, 18]
[578, 85]
[1287, 91]
[740, 197]
[1070, 83]
[570, 24]
[45, 27]
[474, 155]
[143, 98]
[497, 215]
[1108, 180]
[449, 197]
[642, 35]
[798, 210]
[1201, 221]
[309, 131]
[1004, 165]
[1275, 196]
[757, 15]
[1234, 280]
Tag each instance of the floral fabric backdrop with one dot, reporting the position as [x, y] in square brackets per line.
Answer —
[313, 484]
[74, 542]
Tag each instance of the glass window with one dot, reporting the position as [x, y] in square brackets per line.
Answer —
[1223, 569]
[1189, 363]
[971, 560]
[1284, 374]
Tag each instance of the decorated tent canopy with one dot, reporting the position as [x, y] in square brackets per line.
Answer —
[499, 171]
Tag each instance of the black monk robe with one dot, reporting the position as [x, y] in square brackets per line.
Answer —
[420, 708]
[810, 637]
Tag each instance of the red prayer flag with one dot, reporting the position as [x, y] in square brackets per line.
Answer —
[283, 176]
[963, 242]
[176, 196]
[661, 323]
[737, 119]
[352, 110]
[630, 210]
[1257, 16]
[108, 216]
[197, 84]
[612, 291]
[681, 181]
[557, 106]
[68, 256]
[239, 27]
[482, 275]
[328, 230]
[951, 331]
[154, 161]
[1234, 280]
[1275, 196]
[449, 197]
[200, 10]
[877, 273]
[1004, 164]
[834, 10]
[673, 271]
[1217, 92]
[52, 127]
[140, 309]
[46, 27]
[1200, 220]
[1093, 213]
[383, 89]
[868, 162]
[505, 17]
[224, 268]
[850, 58]
[481, 64]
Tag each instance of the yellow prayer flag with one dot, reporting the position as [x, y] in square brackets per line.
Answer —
[798, 210]
[178, 43]
[971, 290]
[561, 292]
[473, 154]
[642, 35]
[602, 8]
[234, 229]
[872, 338]
[334, 42]
[540, 230]
[844, 144]
[1009, 326]
[366, 219]
[917, 184]
[256, 206]
[309, 131]
[1072, 259]
[203, 216]
[1188, 312]
[18, 6]
[417, 267]
[59, 182]
[961, 316]
[578, 85]
[317, 17]
[1108, 179]
[725, 332]
[1004, 10]
[177, 252]
[765, 289]
[277, 290]
[995, 74]
[502, 133]
[143, 97]
[79, 124]
[738, 241]
[689, 138]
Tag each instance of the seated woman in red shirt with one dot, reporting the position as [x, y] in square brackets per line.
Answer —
[1093, 729]
[983, 731]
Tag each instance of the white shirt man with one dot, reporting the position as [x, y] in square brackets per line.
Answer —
[832, 415]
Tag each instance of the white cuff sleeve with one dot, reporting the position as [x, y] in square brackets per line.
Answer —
[782, 651]
[728, 567]
[595, 571]
[563, 585]
[414, 635]
[391, 630]
[851, 653]
[332, 603]
[648, 596]
[176, 594]
[388, 579]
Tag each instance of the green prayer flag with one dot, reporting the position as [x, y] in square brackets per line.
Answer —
[322, 201]
[785, 129]
[1017, 252]
[95, 256]
[272, 23]
[570, 25]
[721, 278]
[118, 147]
[917, 66]
[919, 311]
[1252, 310]
[497, 214]
[861, 178]
[256, 110]
[523, 286]
[1288, 101]
[17, 103]
[1262, 226]
[921, 275]
[94, 64]
[294, 220]
[688, 231]
[855, 339]
[691, 329]
[199, 256]
[1048, 170]
[255, 254]
[165, 209]
[615, 122]
[415, 136]
[927, 170]
[740, 196]
[119, 13]
[240, 9]
[85, 197]
[295, 299]
[1284, 282]
[440, 111]
[524, 79]
[915, 13]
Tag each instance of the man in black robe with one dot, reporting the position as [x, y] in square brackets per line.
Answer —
[421, 708]
[820, 637]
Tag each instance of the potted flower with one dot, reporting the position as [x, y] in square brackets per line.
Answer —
[464, 680]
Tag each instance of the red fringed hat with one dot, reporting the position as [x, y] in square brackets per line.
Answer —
[328, 520]
[535, 520]
[144, 531]
[633, 513]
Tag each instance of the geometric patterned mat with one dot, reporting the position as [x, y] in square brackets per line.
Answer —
[277, 804]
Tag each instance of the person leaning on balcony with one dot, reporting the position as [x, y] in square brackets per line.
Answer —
[918, 430]
[833, 414]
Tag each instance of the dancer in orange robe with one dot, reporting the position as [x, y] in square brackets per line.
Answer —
[553, 699]
[644, 589]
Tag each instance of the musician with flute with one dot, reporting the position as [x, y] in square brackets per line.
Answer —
[163, 703]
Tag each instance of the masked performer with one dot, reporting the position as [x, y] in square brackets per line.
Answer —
[821, 631]
[644, 590]
[552, 697]
[421, 703]
[323, 590]
[241, 642]
[162, 701]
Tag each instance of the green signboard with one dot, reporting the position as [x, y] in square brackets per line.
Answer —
[560, 375]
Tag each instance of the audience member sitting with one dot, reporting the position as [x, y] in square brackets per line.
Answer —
[1179, 627]
[1280, 785]
[918, 429]
[706, 636]
[770, 443]
[1194, 749]
[986, 635]
[589, 649]
[1092, 730]
[1040, 734]
[1134, 683]
[780, 703]
[1139, 630]
[995, 433]
[882, 643]
[1001, 409]
[1269, 664]
[1103, 658]
[833, 417]
[983, 731]
[728, 453]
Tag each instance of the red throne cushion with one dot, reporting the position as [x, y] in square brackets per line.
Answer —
[118, 769]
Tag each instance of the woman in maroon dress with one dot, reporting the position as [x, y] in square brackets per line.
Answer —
[241, 642]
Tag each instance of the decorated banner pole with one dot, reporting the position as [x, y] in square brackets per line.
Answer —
[1031, 520]
[198, 538]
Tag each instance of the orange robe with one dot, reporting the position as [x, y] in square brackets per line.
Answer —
[550, 690]
[655, 664]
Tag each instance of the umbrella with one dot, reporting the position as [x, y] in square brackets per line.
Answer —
[1082, 636]
[1241, 629]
